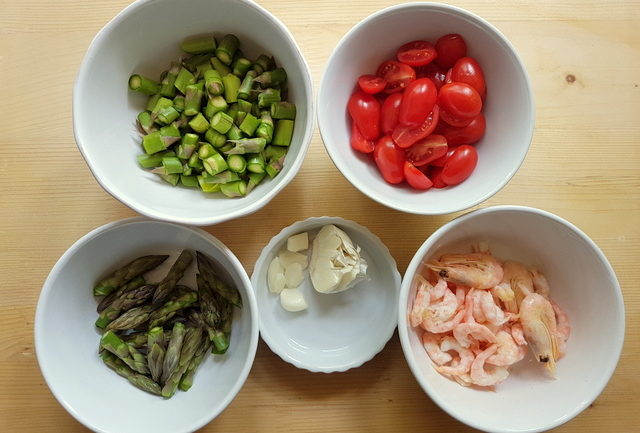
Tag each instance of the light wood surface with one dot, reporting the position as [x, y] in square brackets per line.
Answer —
[584, 165]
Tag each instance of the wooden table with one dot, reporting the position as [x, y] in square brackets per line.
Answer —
[584, 165]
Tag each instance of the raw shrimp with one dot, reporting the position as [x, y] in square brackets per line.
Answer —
[519, 278]
[504, 293]
[540, 283]
[480, 376]
[463, 331]
[462, 365]
[539, 325]
[563, 328]
[431, 344]
[518, 334]
[479, 270]
[508, 351]
[420, 302]
[491, 311]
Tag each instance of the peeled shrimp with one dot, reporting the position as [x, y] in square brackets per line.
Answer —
[504, 293]
[518, 334]
[420, 302]
[539, 325]
[508, 351]
[460, 294]
[519, 278]
[478, 314]
[468, 307]
[540, 283]
[478, 332]
[465, 358]
[432, 346]
[480, 376]
[491, 311]
[436, 292]
[479, 270]
[563, 328]
[437, 327]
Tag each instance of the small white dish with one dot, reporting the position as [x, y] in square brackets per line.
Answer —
[337, 331]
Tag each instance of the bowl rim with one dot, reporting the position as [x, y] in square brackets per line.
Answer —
[403, 331]
[46, 291]
[262, 262]
[296, 164]
[421, 6]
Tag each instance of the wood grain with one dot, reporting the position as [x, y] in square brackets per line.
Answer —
[584, 165]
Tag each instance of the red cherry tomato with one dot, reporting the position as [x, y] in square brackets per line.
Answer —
[416, 53]
[466, 135]
[440, 162]
[372, 84]
[448, 119]
[450, 48]
[460, 101]
[426, 150]
[397, 74]
[415, 177]
[365, 111]
[435, 174]
[447, 76]
[389, 113]
[389, 159]
[405, 136]
[467, 70]
[417, 102]
[434, 73]
[460, 165]
[358, 142]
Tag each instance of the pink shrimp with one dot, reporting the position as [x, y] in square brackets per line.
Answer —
[518, 334]
[519, 278]
[462, 364]
[480, 376]
[491, 311]
[479, 270]
[563, 328]
[463, 331]
[539, 325]
[504, 293]
[460, 296]
[441, 327]
[431, 345]
[508, 351]
[478, 314]
[463, 379]
[420, 302]
[540, 283]
[468, 307]
[436, 292]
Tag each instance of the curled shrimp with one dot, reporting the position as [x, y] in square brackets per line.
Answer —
[539, 325]
[460, 295]
[478, 332]
[540, 283]
[478, 314]
[459, 366]
[468, 307]
[479, 270]
[518, 334]
[508, 351]
[491, 311]
[441, 327]
[480, 376]
[563, 328]
[505, 294]
[437, 292]
[432, 347]
[519, 279]
[420, 302]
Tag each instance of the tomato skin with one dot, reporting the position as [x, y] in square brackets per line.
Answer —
[440, 162]
[365, 111]
[434, 73]
[389, 159]
[397, 74]
[427, 150]
[460, 101]
[469, 134]
[416, 53]
[435, 174]
[460, 165]
[468, 71]
[450, 48]
[371, 84]
[389, 113]
[405, 136]
[417, 102]
[415, 177]
[448, 119]
[358, 142]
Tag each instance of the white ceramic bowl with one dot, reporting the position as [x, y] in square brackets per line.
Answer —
[144, 38]
[582, 282]
[338, 331]
[509, 107]
[67, 342]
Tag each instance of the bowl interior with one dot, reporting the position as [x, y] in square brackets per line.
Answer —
[582, 283]
[337, 331]
[67, 342]
[145, 39]
[508, 107]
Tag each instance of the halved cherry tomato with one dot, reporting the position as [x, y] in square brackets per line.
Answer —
[397, 74]
[426, 150]
[358, 142]
[389, 113]
[389, 159]
[372, 84]
[418, 100]
[465, 135]
[467, 70]
[460, 165]
[440, 162]
[433, 72]
[450, 48]
[416, 53]
[435, 174]
[365, 111]
[405, 136]
[415, 177]
[460, 101]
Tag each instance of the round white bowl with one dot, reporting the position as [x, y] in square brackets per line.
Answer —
[337, 331]
[582, 282]
[509, 107]
[144, 38]
[66, 340]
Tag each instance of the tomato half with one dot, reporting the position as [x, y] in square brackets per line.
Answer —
[460, 101]
[467, 70]
[460, 165]
[389, 159]
[450, 48]
[358, 142]
[365, 111]
[371, 84]
[416, 53]
[435, 174]
[427, 150]
[389, 113]
[415, 177]
[397, 74]
[468, 134]
[440, 162]
[405, 136]
[418, 100]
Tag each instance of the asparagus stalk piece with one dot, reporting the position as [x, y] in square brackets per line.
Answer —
[126, 301]
[254, 180]
[215, 138]
[172, 165]
[190, 345]
[234, 189]
[171, 307]
[215, 164]
[244, 91]
[187, 146]
[206, 186]
[172, 354]
[173, 179]
[272, 78]
[167, 87]
[237, 163]
[153, 100]
[255, 164]
[220, 67]
[222, 177]
[167, 115]
[207, 269]
[213, 82]
[231, 86]
[155, 160]
[246, 145]
[265, 129]
[201, 45]
[193, 62]
[221, 122]
[193, 99]
[137, 340]
[263, 63]
[249, 124]
[130, 319]
[199, 123]
[227, 48]
[145, 122]
[169, 135]
[190, 181]
[268, 97]
[283, 132]
[283, 110]
[108, 300]
[241, 66]
[155, 352]
[215, 104]
[127, 273]
[233, 133]
[138, 380]
[130, 356]
[143, 85]
[187, 379]
[166, 286]
[184, 79]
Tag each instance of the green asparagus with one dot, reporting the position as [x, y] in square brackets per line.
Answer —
[155, 351]
[127, 273]
[166, 286]
[130, 319]
[206, 267]
[190, 345]
[139, 380]
[126, 301]
[129, 355]
[172, 354]
[171, 307]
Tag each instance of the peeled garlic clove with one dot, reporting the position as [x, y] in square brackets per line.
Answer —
[292, 300]
[287, 258]
[299, 242]
[293, 275]
[275, 276]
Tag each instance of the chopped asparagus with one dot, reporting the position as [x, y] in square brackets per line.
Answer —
[201, 45]
[143, 85]
[128, 272]
[227, 48]
[283, 132]
[166, 286]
